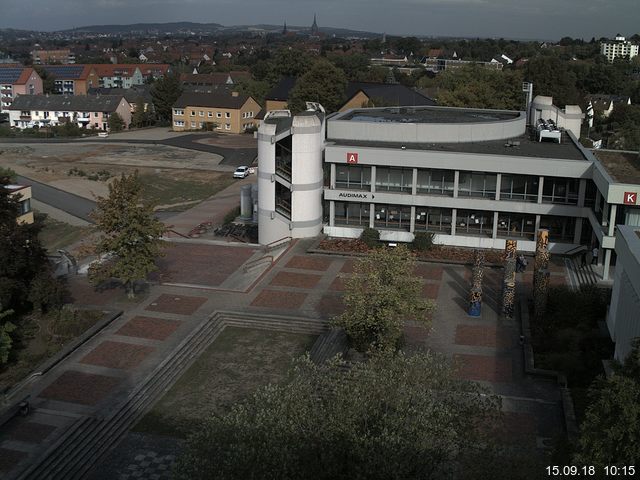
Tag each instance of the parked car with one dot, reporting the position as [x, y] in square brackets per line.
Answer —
[103, 134]
[241, 172]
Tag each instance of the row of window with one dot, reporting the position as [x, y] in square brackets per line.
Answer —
[181, 123]
[192, 113]
[470, 184]
[468, 222]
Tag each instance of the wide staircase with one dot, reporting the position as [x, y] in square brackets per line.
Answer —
[579, 275]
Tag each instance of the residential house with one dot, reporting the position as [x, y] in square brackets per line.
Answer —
[17, 80]
[118, 75]
[23, 194]
[72, 79]
[619, 48]
[62, 56]
[364, 94]
[231, 113]
[390, 60]
[133, 95]
[603, 105]
[87, 111]
[213, 79]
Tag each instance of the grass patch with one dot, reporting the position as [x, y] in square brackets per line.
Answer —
[56, 235]
[237, 363]
[41, 337]
[169, 189]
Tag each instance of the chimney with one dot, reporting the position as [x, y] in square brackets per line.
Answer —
[234, 94]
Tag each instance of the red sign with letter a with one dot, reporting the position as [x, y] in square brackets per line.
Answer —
[630, 198]
[352, 157]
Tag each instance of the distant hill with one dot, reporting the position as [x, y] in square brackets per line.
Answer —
[173, 27]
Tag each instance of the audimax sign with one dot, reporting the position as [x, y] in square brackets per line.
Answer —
[359, 196]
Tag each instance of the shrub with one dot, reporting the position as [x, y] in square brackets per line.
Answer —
[231, 216]
[423, 241]
[370, 236]
[46, 292]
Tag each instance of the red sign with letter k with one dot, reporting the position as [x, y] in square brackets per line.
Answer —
[630, 198]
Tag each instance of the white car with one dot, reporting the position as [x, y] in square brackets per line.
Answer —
[241, 172]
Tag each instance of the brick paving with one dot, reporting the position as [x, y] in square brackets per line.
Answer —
[430, 290]
[149, 327]
[330, 305]
[338, 284]
[201, 264]
[349, 266]
[117, 355]
[9, 459]
[428, 272]
[279, 299]
[30, 432]
[483, 336]
[484, 368]
[84, 293]
[296, 280]
[309, 263]
[79, 387]
[177, 304]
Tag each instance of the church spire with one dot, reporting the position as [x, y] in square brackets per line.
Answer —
[284, 30]
[314, 27]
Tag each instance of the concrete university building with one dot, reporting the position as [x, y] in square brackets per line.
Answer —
[472, 177]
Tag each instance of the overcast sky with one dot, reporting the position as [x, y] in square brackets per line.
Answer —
[534, 19]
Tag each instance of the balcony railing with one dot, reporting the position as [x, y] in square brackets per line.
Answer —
[283, 167]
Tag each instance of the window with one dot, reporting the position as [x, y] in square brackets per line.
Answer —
[519, 187]
[470, 222]
[179, 123]
[433, 220]
[209, 114]
[178, 112]
[397, 217]
[227, 115]
[353, 177]
[435, 182]
[218, 115]
[560, 190]
[95, 114]
[193, 124]
[394, 179]
[25, 206]
[227, 126]
[561, 229]
[348, 213]
[201, 124]
[192, 113]
[516, 225]
[201, 113]
[477, 184]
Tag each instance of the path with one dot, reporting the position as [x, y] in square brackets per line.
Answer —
[96, 383]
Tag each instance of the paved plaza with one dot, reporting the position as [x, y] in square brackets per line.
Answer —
[196, 280]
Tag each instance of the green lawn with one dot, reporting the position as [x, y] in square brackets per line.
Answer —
[169, 188]
[237, 363]
[55, 234]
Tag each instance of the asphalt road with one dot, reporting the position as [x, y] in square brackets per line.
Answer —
[68, 202]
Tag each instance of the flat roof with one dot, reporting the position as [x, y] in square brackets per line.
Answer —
[527, 147]
[624, 167]
[428, 114]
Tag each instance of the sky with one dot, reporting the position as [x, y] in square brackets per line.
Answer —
[523, 19]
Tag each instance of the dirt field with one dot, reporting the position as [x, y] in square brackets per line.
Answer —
[175, 176]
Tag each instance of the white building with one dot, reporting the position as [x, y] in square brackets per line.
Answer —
[472, 177]
[622, 318]
[618, 48]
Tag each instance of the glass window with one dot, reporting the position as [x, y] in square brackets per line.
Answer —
[561, 229]
[351, 213]
[394, 179]
[470, 222]
[477, 184]
[397, 217]
[227, 115]
[560, 190]
[516, 225]
[353, 177]
[435, 182]
[522, 188]
[433, 220]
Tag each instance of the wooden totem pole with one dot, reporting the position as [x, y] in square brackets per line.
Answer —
[475, 298]
[509, 283]
[541, 273]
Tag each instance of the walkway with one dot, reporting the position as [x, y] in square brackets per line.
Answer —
[122, 366]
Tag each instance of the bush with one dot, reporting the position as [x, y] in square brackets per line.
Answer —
[231, 216]
[423, 241]
[370, 236]
[46, 292]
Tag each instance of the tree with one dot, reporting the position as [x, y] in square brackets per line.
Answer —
[392, 417]
[165, 92]
[48, 79]
[380, 297]
[46, 292]
[140, 115]
[116, 123]
[551, 77]
[131, 235]
[6, 327]
[323, 83]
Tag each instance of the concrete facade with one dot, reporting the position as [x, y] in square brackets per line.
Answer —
[618, 48]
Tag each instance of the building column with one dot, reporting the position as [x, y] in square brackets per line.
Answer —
[596, 207]
[495, 225]
[412, 225]
[540, 189]
[373, 178]
[332, 179]
[535, 237]
[612, 219]
[454, 214]
[582, 192]
[414, 184]
[577, 233]
[605, 214]
[607, 264]
[456, 182]
[332, 213]
[372, 214]
[498, 182]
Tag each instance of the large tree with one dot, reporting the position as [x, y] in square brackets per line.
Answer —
[131, 235]
[382, 294]
[324, 83]
[165, 92]
[393, 417]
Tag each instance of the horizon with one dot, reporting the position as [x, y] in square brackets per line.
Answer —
[518, 20]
